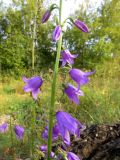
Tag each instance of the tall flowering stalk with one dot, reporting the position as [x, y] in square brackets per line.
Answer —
[53, 91]
[65, 124]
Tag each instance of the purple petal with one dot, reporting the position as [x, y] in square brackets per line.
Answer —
[52, 154]
[25, 79]
[73, 93]
[35, 82]
[35, 93]
[80, 77]
[66, 122]
[70, 61]
[66, 137]
[79, 92]
[33, 85]
[3, 128]
[89, 73]
[63, 63]
[55, 131]
[56, 33]
[67, 57]
[74, 55]
[81, 25]
[72, 156]
[19, 131]
[27, 88]
[54, 135]
[43, 147]
[46, 16]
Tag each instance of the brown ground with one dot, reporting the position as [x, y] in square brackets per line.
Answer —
[98, 142]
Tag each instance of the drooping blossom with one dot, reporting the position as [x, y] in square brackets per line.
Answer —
[67, 57]
[46, 16]
[33, 85]
[56, 33]
[81, 25]
[72, 156]
[79, 76]
[68, 125]
[19, 131]
[3, 127]
[73, 93]
[55, 132]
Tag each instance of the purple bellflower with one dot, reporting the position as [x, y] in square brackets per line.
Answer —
[3, 128]
[81, 25]
[46, 16]
[56, 33]
[33, 85]
[80, 77]
[67, 57]
[54, 135]
[19, 131]
[67, 124]
[72, 156]
[73, 93]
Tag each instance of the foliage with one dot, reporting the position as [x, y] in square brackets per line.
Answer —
[16, 36]
[102, 42]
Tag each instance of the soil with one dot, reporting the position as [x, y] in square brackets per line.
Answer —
[98, 142]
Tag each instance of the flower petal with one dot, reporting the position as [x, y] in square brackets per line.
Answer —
[81, 25]
[25, 79]
[74, 55]
[46, 16]
[56, 33]
[35, 93]
[27, 88]
[63, 63]
[72, 156]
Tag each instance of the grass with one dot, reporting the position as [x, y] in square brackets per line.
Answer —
[101, 103]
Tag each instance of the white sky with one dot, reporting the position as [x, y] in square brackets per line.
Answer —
[69, 6]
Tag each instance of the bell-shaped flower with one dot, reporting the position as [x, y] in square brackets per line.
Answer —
[56, 33]
[73, 93]
[72, 156]
[19, 131]
[81, 25]
[46, 16]
[67, 57]
[3, 127]
[68, 125]
[55, 132]
[80, 77]
[33, 85]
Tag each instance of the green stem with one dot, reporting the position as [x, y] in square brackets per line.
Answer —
[33, 131]
[53, 91]
[11, 133]
[34, 38]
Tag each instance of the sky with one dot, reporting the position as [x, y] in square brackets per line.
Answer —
[69, 6]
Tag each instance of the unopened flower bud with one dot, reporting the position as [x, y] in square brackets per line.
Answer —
[46, 16]
[56, 33]
[81, 25]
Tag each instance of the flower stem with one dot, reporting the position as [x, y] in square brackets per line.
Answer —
[53, 91]
[34, 38]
